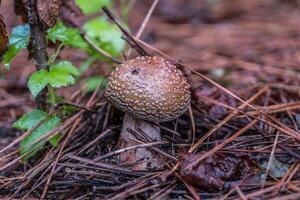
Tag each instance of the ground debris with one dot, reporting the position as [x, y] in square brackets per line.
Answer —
[213, 172]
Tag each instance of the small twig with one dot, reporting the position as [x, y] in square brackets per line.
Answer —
[241, 194]
[58, 157]
[38, 41]
[98, 49]
[127, 34]
[129, 148]
[145, 21]
[193, 125]
[75, 105]
[219, 146]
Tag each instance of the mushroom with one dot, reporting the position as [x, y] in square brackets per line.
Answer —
[149, 90]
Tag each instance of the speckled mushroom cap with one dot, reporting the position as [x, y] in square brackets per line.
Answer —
[150, 88]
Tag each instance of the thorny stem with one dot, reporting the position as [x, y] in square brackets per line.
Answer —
[38, 41]
[143, 158]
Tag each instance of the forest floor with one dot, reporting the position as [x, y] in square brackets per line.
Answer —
[251, 48]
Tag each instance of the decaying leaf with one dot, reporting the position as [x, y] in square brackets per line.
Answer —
[212, 173]
[48, 10]
[3, 37]
[20, 9]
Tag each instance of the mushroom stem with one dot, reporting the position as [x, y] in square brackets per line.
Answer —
[145, 158]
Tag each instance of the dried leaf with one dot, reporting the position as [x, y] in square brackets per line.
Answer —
[277, 168]
[48, 10]
[3, 37]
[20, 9]
[212, 173]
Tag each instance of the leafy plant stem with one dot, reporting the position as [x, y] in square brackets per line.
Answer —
[54, 56]
[52, 95]
[38, 41]
[98, 49]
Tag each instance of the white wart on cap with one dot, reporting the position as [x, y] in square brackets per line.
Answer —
[149, 88]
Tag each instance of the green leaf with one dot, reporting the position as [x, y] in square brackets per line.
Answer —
[28, 121]
[55, 139]
[38, 81]
[58, 80]
[105, 35]
[62, 74]
[85, 65]
[66, 35]
[26, 145]
[69, 110]
[18, 40]
[93, 82]
[92, 6]
[9, 55]
[65, 67]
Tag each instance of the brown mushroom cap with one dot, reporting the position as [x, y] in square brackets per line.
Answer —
[149, 88]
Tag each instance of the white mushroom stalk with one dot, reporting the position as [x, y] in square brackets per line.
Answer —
[147, 89]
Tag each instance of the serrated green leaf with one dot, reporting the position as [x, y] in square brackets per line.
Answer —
[28, 121]
[26, 145]
[65, 67]
[62, 74]
[38, 81]
[58, 80]
[92, 6]
[66, 35]
[93, 82]
[18, 40]
[105, 34]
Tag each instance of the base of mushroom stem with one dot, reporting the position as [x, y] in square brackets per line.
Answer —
[142, 158]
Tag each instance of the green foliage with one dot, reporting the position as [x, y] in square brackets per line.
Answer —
[18, 40]
[30, 120]
[37, 81]
[55, 139]
[66, 35]
[102, 33]
[93, 82]
[59, 75]
[69, 110]
[105, 35]
[62, 74]
[92, 6]
[85, 65]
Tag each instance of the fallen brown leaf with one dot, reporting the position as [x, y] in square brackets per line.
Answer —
[48, 10]
[212, 173]
[3, 37]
